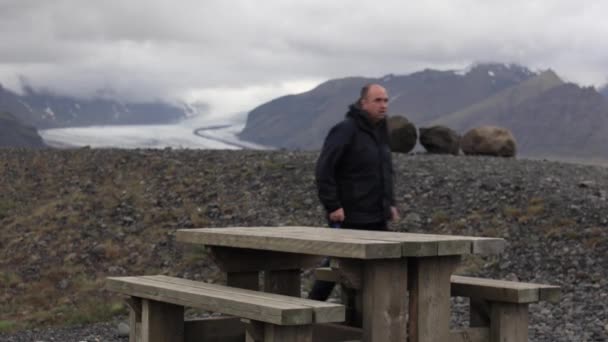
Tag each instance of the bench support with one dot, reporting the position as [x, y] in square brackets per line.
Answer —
[161, 322]
[509, 322]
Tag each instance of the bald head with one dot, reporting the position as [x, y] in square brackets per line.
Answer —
[374, 100]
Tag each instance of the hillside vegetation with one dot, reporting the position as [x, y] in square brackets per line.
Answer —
[69, 218]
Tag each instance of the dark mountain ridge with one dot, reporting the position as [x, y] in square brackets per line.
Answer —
[604, 90]
[14, 133]
[43, 109]
[547, 117]
[302, 121]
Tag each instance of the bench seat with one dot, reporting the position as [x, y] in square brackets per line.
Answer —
[503, 291]
[258, 307]
[498, 308]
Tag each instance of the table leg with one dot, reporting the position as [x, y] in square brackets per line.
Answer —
[384, 296]
[429, 319]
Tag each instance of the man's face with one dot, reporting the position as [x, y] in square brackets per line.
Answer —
[375, 103]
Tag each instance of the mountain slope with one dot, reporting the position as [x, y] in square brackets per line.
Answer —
[45, 110]
[604, 91]
[302, 121]
[500, 103]
[15, 134]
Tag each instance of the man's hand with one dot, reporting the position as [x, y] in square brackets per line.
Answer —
[337, 215]
[394, 214]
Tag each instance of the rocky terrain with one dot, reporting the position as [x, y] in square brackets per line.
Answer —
[70, 218]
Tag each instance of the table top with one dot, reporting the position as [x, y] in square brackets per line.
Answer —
[346, 243]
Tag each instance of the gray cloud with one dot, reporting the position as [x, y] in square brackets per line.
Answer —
[215, 50]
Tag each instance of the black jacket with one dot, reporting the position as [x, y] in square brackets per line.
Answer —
[354, 170]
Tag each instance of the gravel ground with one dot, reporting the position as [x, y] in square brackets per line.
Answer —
[553, 216]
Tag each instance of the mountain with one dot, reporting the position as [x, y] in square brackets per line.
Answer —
[604, 90]
[15, 134]
[499, 104]
[302, 121]
[549, 118]
[45, 110]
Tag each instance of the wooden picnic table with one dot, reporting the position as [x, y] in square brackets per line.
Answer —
[389, 264]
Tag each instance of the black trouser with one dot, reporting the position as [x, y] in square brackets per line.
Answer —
[322, 289]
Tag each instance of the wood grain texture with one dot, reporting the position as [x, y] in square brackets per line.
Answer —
[430, 298]
[267, 307]
[508, 322]
[502, 290]
[384, 297]
[161, 322]
[346, 243]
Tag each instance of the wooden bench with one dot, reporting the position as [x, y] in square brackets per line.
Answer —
[498, 308]
[157, 309]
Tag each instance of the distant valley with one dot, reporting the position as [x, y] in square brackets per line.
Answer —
[43, 110]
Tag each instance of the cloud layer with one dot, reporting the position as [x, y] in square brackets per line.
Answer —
[234, 54]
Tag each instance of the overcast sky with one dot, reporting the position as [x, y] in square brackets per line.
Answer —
[236, 54]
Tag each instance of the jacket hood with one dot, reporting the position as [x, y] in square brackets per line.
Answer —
[362, 117]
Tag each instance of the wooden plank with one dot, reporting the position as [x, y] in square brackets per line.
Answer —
[430, 298]
[488, 246]
[294, 243]
[330, 332]
[247, 260]
[161, 322]
[502, 290]
[470, 335]
[135, 308]
[275, 333]
[412, 244]
[214, 329]
[509, 322]
[550, 293]
[384, 296]
[214, 298]
[324, 312]
[134, 327]
[285, 282]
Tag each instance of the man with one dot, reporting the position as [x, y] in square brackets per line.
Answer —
[354, 172]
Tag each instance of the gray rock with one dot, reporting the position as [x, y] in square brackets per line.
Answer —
[123, 329]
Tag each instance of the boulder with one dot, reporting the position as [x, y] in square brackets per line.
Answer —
[402, 134]
[440, 139]
[490, 141]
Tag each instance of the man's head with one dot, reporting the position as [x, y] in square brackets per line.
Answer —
[374, 100]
